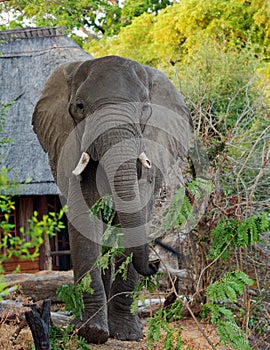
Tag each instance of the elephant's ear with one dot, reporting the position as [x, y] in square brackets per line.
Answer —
[167, 124]
[51, 120]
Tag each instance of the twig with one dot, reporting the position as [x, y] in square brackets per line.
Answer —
[248, 156]
[18, 330]
[212, 263]
[247, 314]
[186, 304]
[265, 160]
[198, 325]
[104, 305]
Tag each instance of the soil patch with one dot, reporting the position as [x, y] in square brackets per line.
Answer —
[190, 335]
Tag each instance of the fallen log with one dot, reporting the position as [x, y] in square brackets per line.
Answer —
[10, 310]
[40, 286]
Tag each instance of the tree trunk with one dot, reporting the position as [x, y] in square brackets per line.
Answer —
[38, 320]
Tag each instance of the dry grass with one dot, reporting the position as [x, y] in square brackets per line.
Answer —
[190, 335]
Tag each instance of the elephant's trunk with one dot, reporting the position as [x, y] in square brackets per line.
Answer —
[125, 190]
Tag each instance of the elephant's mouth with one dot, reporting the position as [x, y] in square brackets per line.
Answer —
[85, 159]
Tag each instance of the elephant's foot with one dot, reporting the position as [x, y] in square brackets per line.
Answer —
[93, 330]
[125, 327]
[93, 333]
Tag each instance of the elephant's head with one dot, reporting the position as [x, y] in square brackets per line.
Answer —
[118, 109]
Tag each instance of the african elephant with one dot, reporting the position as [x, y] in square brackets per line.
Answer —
[111, 125]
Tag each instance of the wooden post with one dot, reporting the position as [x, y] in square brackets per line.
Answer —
[38, 319]
[44, 259]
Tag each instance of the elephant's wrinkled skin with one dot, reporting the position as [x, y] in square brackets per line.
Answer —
[113, 111]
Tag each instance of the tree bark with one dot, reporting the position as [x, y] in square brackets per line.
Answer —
[42, 285]
[38, 320]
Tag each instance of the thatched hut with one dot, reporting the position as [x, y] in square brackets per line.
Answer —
[27, 57]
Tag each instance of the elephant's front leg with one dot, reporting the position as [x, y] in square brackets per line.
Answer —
[84, 236]
[94, 324]
[122, 324]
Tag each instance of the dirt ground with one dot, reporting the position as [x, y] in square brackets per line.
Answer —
[191, 336]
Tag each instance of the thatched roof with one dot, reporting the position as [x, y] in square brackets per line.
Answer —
[27, 57]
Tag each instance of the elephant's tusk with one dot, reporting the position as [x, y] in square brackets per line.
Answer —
[84, 160]
[144, 160]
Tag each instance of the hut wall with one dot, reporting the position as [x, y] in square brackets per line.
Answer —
[24, 209]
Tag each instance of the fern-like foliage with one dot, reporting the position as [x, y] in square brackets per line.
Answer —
[181, 206]
[220, 294]
[112, 239]
[179, 212]
[231, 334]
[123, 268]
[229, 287]
[72, 296]
[232, 234]
[65, 338]
[160, 327]
[145, 283]
[199, 187]
[103, 208]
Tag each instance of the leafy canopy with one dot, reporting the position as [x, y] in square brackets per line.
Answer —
[102, 17]
[179, 29]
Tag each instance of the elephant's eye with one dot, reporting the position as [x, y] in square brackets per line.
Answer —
[77, 110]
[79, 105]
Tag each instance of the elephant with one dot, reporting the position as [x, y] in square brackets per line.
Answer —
[113, 126]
